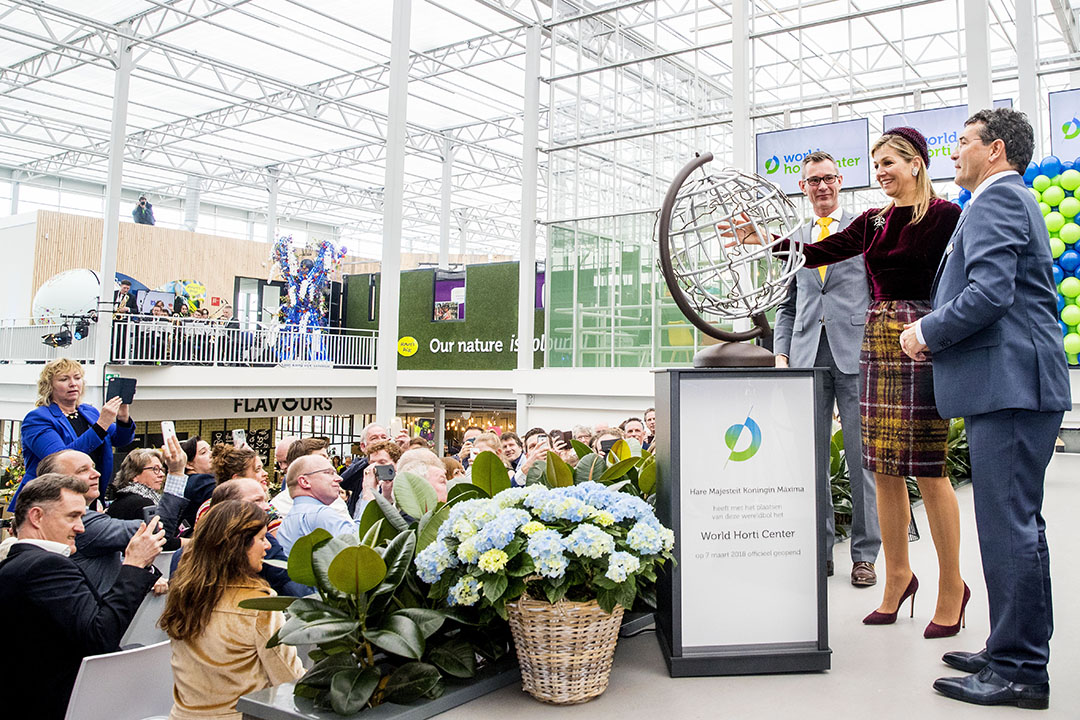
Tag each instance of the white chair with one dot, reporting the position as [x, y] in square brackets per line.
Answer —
[143, 630]
[163, 561]
[127, 685]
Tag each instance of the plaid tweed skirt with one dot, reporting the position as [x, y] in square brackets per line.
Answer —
[902, 433]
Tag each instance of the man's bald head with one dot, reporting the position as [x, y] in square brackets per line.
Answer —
[75, 464]
[301, 466]
[281, 452]
[243, 489]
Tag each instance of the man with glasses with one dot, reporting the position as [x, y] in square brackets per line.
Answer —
[313, 484]
[820, 324]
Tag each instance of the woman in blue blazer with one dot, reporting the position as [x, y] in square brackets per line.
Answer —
[60, 422]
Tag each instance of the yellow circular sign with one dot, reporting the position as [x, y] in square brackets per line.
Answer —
[407, 346]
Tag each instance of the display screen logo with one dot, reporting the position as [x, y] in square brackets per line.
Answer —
[734, 435]
[1071, 129]
[772, 165]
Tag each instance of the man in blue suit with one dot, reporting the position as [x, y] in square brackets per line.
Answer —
[820, 324]
[999, 363]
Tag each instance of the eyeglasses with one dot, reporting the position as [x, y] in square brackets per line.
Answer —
[158, 470]
[827, 179]
[331, 470]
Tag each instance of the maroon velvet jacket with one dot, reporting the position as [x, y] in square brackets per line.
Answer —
[901, 259]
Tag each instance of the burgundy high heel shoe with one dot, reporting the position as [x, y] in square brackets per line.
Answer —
[933, 630]
[880, 618]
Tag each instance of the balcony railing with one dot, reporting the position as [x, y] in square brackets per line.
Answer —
[147, 340]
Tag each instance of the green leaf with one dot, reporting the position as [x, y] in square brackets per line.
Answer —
[647, 477]
[536, 473]
[621, 450]
[320, 675]
[521, 566]
[429, 531]
[606, 600]
[414, 494]
[429, 621]
[398, 556]
[267, 603]
[371, 515]
[300, 565]
[436, 692]
[580, 448]
[559, 474]
[489, 474]
[350, 690]
[319, 631]
[589, 468]
[456, 658]
[312, 609]
[494, 586]
[555, 594]
[305, 691]
[626, 592]
[410, 682]
[619, 469]
[399, 635]
[356, 570]
[391, 513]
[371, 537]
[464, 491]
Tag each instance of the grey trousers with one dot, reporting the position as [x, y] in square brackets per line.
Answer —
[843, 390]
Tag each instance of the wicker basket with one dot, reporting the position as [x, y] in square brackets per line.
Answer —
[565, 650]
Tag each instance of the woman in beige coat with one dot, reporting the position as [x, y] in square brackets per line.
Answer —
[218, 649]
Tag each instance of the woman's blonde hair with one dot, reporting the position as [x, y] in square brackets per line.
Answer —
[59, 366]
[216, 558]
[133, 464]
[923, 187]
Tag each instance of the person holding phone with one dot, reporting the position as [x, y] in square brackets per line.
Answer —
[61, 422]
[140, 487]
[379, 473]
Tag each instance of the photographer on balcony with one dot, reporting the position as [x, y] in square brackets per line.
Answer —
[143, 212]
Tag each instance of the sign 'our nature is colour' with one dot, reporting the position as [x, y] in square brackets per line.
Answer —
[1065, 124]
[780, 153]
[942, 128]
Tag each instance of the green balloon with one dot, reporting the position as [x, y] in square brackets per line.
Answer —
[1070, 287]
[1070, 315]
[1056, 248]
[1054, 221]
[1053, 195]
[1040, 183]
[1070, 233]
[1070, 180]
[1069, 207]
[1072, 344]
[1036, 193]
[1044, 208]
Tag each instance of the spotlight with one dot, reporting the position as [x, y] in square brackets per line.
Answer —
[82, 328]
[58, 339]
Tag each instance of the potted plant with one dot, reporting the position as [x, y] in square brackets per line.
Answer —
[560, 563]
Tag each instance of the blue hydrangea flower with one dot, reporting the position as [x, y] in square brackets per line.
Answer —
[432, 561]
[465, 591]
[546, 550]
[589, 541]
[498, 533]
[645, 538]
[621, 565]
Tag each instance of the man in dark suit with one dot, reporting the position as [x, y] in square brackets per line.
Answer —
[820, 324]
[999, 363]
[58, 617]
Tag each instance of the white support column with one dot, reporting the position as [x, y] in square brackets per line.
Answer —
[977, 54]
[440, 428]
[15, 185]
[463, 233]
[444, 215]
[390, 272]
[271, 207]
[115, 178]
[1025, 65]
[741, 141]
[529, 143]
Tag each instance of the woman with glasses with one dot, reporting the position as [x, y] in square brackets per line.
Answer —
[140, 483]
[902, 434]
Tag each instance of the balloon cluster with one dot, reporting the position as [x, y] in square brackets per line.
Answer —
[306, 282]
[1056, 186]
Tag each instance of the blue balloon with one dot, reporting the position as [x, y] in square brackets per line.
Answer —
[1069, 260]
[1059, 274]
[958, 202]
[1060, 302]
[1067, 165]
[1064, 328]
[1032, 172]
[1050, 166]
[964, 195]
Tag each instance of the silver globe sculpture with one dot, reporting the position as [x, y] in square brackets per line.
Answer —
[711, 276]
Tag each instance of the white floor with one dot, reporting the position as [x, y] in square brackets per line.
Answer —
[877, 672]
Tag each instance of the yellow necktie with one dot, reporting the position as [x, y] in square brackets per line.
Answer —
[823, 223]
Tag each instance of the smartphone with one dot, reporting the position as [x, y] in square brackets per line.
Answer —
[566, 436]
[148, 513]
[605, 445]
[124, 388]
[396, 426]
[385, 473]
[168, 430]
[239, 437]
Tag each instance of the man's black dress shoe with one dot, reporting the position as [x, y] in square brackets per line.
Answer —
[969, 662]
[989, 688]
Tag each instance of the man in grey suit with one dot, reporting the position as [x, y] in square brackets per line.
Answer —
[820, 324]
[999, 363]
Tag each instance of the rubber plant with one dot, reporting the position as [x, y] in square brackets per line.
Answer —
[378, 637]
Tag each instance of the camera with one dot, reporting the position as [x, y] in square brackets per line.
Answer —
[384, 473]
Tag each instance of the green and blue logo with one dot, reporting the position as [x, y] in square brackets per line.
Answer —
[735, 433]
[772, 165]
[1071, 129]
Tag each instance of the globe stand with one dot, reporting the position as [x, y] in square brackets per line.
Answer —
[734, 354]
